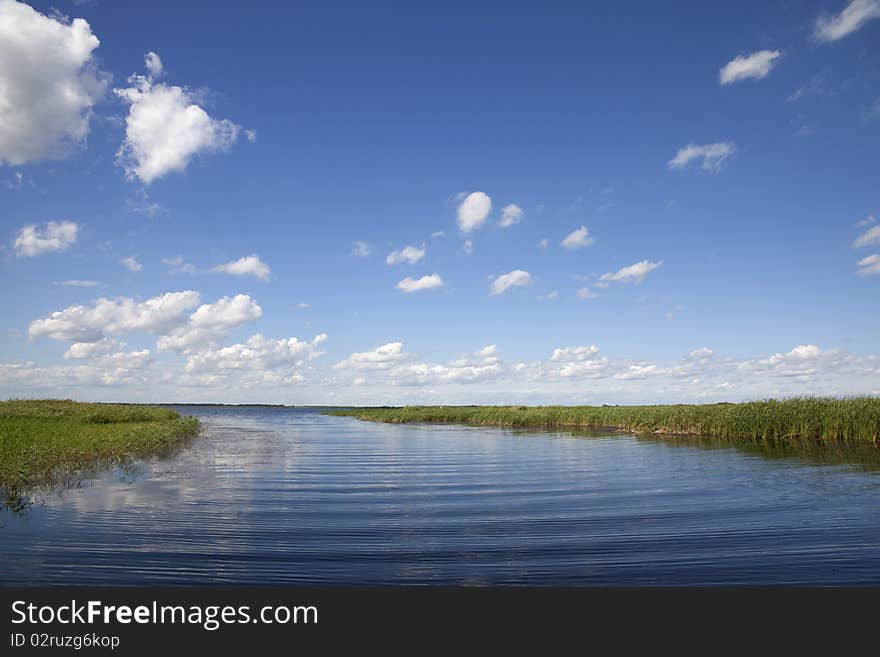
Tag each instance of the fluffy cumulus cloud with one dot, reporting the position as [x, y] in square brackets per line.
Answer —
[409, 254]
[803, 360]
[428, 282]
[380, 358]
[166, 128]
[479, 366]
[115, 316]
[209, 323]
[712, 155]
[504, 282]
[48, 84]
[257, 354]
[869, 265]
[856, 14]
[578, 238]
[89, 350]
[510, 215]
[108, 354]
[569, 362]
[248, 266]
[473, 210]
[756, 66]
[56, 236]
[632, 274]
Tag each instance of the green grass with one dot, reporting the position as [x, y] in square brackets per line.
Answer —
[42, 440]
[818, 418]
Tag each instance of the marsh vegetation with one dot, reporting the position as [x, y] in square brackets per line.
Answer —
[803, 418]
[44, 440]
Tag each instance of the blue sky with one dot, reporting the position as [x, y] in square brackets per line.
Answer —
[722, 159]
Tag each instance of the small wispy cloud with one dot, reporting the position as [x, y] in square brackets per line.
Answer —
[578, 239]
[713, 155]
[869, 265]
[755, 66]
[361, 249]
[77, 283]
[632, 274]
[510, 215]
[131, 263]
[515, 278]
[869, 237]
[853, 17]
[409, 254]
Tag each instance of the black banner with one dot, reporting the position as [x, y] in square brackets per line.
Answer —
[147, 620]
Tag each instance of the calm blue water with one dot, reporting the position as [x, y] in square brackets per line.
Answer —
[268, 495]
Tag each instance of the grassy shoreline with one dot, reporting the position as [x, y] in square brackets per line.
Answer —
[43, 440]
[804, 418]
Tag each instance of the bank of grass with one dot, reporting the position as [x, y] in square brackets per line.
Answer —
[805, 418]
[42, 440]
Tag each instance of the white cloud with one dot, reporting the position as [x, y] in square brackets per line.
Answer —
[57, 236]
[566, 354]
[638, 371]
[210, 322]
[757, 66]
[49, 83]
[380, 358]
[153, 64]
[713, 155]
[165, 129]
[869, 265]
[468, 247]
[515, 278]
[177, 265]
[578, 362]
[141, 203]
[115, 316]
[632, 274]
[702, 352]
[257, 354]
[248, 266]
[361, 249]
[550, 296]
[302, 305]
[578, 238]
[77, 283]
[543, 243]
[510, 215]
[587, 293]
[410, 254]
[473, 210]
[428, 282]
[869, 237]
[88, 350]
[479, 366]
[437, 234]
[850, 19]
[131, 263]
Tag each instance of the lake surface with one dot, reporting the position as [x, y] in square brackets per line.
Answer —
[290, 496]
